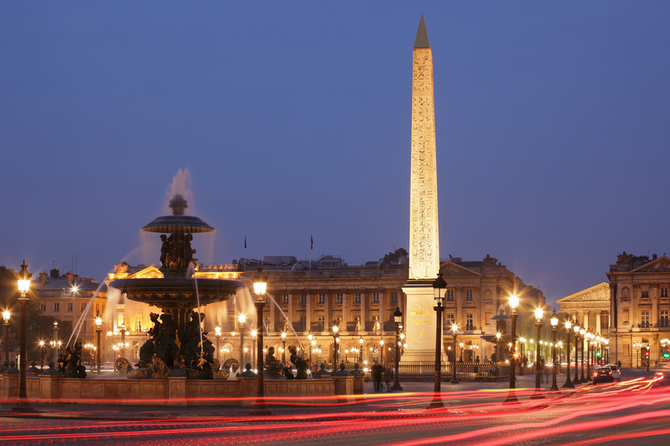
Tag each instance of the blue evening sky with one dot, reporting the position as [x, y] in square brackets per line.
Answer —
[293, 119]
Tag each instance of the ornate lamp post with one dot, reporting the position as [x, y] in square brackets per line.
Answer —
[648, 357]
[381, 348]
[589, 358]
[98, 330]
[217, 333]
[568, 383]
[254, 356]
[538, 324]
[42, 355]
[335, 346]
[575, 380]
[439, 289]
[24, 286]
[242, 318]
[123, 340]
[454, 331]
[360, 343]
[5, 316]
[522, 340]
[283, 350]
[397, 317]
[554, 324]
[498, 351]
[311, 344]
[55, 342]
[513, 304]
[582, 332]
[260, 287]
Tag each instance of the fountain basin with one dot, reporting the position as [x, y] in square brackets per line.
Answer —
[171, 293]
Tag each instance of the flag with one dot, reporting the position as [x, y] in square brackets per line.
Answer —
[245, 242]
[311, 239]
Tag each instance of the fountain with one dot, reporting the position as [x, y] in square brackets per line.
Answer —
[176, 333]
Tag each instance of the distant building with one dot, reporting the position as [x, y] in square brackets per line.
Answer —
[639, 305]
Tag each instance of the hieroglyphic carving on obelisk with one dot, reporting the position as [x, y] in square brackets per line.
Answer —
[424, 243]
[424, 246]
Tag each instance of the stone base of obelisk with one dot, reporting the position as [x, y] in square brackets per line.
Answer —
[420, 321]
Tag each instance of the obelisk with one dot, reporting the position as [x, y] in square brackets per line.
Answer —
[424, 241]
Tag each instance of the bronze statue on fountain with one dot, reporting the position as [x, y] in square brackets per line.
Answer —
[176, 332]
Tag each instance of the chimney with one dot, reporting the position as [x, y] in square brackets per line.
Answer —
[43, 278]
[68, 278]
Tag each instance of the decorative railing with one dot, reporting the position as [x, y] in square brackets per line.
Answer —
[465, 371]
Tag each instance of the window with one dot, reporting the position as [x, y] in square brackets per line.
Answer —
[357, 298]
[664, 292]
[285, 299]
[303, 299]
[468, 295]
[645, 294]
[469, 324]
[644, 319]
[339, 298]
[664, 318]
[138, 322]
[82, 306]
[394, 297]
[322, 298]
[451, 319]
[69, 306]
[375, 298]
[56, 306]
[43, 307]
[321, 320]
[450, 295]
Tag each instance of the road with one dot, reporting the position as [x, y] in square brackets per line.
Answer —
[634, 411]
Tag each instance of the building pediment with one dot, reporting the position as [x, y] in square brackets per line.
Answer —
[597, 293]
[662, 264]
[454, 269]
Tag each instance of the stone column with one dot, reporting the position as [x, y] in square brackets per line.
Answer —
[382, 310]
[345, 312]
[364, 311]
[327, 314]
[289, 312]
[458, 301]
[654, 305]
[308, 312]
[586, 319]
[598, 313]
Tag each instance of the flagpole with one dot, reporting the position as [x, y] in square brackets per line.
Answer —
[311, 246]
[245, 253]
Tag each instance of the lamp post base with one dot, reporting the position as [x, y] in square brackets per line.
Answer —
[396, 386]
[568, 384]
[511, 398]
[23, 406]
[437, 402]
[454, 380]
[260, 409]
[537, 395]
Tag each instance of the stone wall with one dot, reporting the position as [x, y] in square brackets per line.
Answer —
[174, 391]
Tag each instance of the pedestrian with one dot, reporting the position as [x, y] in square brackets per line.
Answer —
[377, 371]
[388, 376]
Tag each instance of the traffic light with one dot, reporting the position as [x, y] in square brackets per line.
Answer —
[666, 355]
[646, 353]
[598, 354]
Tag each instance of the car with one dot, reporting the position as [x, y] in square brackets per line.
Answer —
[616, 371]
[602, 374]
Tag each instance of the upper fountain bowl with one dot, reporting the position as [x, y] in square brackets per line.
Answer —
[178, 222]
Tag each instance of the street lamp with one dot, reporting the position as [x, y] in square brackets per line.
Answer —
[42, 355]
[254, 334]
[454, 330]
[55, 342]
[513, 304]
[360, 342]
[381, 347]
[283, 351]
[217, 333]
[554, 324]
[397, 317]
[538, 324]
[242, 318]
[589, 351]
[439, 289]
[311, 344]
[498, 355]
[5, 316]
[582, 332]
[335, 346]
[568, 383]
[98, 330]
[123, 340]
[260, 287]
[22, 404]
[522, 340]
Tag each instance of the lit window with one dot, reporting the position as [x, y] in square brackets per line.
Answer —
[357, 298]
[469, 324]
[285, 299]
[450, 295]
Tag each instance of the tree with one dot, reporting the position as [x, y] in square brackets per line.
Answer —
[38, 327]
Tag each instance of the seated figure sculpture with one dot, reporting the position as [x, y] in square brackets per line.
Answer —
[300, 364]
[272, 365]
